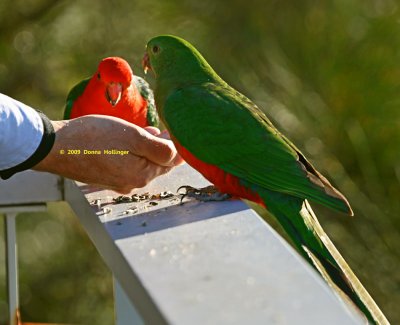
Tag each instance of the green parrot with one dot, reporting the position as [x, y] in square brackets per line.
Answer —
[228, 139]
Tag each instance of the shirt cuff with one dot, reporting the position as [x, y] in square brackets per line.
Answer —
[41, 152]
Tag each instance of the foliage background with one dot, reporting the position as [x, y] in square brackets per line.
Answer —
[326, 72]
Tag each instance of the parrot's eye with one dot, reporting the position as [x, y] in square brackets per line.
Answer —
[98, 76]
[155, 49]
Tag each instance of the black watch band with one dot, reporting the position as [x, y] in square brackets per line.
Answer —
[41, 152]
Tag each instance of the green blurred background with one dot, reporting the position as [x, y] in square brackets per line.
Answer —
[326, 72]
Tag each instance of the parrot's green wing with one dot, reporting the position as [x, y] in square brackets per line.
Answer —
[75, 92]
[147, 94]
[227, 130]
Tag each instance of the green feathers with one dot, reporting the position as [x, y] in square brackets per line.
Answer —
[75, 92]
[222, 127]
[147, 94]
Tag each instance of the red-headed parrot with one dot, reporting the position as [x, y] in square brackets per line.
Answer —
[113, 90]
[228, 139]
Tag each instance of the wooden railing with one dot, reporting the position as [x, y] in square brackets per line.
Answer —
[196, 263]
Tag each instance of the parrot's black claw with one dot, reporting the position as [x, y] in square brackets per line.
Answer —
[205, 194]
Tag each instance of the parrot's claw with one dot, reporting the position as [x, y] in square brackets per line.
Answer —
[205, 194]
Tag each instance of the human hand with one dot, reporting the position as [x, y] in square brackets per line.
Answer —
[83, 150]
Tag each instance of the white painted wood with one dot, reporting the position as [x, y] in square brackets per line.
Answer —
[197, 263]
[31, 187]
[125, 312]
[113, 257]
[203, 263]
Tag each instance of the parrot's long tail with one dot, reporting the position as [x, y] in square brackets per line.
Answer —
[299, 221]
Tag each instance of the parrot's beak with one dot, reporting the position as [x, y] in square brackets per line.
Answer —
[146, 63]
[114, 92]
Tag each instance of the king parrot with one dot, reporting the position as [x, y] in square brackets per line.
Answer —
[228, 139]
[113, 90]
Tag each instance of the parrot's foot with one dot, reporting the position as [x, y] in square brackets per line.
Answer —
[205, 194]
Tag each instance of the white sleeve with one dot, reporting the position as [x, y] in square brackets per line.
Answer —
[21, 131]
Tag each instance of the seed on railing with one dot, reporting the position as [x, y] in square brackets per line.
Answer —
[135, 198]
[144, 196]
[141, 197]
[156, 196]
[162, 195]
[97, 202]
[122, 199]
[131, 210]
[107, 210]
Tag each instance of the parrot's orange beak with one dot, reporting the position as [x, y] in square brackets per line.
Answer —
[146, 63]
[114, 92]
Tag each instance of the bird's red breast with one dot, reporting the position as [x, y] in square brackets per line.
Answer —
[225, 182]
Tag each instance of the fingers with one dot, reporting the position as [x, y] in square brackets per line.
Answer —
[156, 132]
[150, 155]
[164, 135]
[153, 130]
[158, 150]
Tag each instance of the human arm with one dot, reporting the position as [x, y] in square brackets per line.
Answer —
[30, 140]
[148, 155]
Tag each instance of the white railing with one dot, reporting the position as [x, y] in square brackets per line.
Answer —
[196, 263]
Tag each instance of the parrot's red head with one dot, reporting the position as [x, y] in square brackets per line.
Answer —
[116, 76]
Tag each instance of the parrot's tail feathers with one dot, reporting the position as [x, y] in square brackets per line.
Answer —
[300, 223]
[339, 272]
[327, 271]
